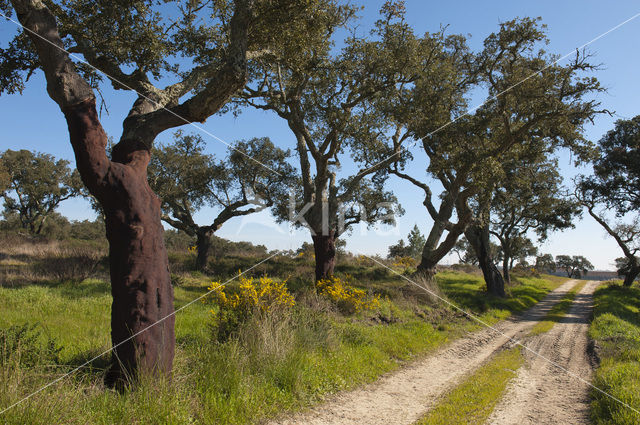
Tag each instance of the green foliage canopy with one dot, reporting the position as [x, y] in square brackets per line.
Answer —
[178, 55]
[37, 184]
[322, 96]
[5, 179]
[546, 263]
[529, 198]
[615, 186]
[616, 179]
[413, 248]
[187, 179]
[533, 106]
[575, 266]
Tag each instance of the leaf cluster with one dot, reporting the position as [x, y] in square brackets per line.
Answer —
[545, 262]
[616, 179]
[576, 266]
[531, 198]
[254, 173]
[37, 183]
[413, 247]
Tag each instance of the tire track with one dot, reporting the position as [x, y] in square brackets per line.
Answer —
[404, 396]
[543, 393]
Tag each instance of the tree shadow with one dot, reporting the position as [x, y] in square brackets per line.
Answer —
[72, 290]
[622, 302]
[94, 370]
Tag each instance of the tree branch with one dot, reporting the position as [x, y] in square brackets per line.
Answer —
[69, 90]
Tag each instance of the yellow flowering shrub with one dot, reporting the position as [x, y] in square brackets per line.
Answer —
[252, 294]
[347, 298]
[404, 262]
[304, 255]
[263, 293]
[363, 260]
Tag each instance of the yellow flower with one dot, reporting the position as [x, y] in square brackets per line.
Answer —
[404, 262]
[345, 296]
[264, 293]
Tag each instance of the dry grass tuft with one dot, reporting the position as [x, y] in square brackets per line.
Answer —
[25, 261]
[424, 289]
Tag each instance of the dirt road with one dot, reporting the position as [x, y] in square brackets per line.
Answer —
[404, 396]
[543, 393]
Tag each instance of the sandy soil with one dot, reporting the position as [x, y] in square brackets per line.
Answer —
[404, 396]
[542, 393]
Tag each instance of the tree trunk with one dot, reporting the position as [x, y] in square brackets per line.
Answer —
[140, 285]
[40, 226]
[506, 266]
[426, 273]
[631, 276]
[492, 276]
[434, 250]
[428, 263]
[325, 250]
[427, 266]
[142, 324]
[203, 246]
[478, 237]
[142, 321]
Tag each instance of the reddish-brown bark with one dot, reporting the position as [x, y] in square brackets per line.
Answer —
[325, 250]
[203, 245]
[142, 324]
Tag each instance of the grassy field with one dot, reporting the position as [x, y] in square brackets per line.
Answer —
[462, 289]
[272, 363]
[616, 332]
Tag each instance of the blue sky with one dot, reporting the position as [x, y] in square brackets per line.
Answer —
[32, 121]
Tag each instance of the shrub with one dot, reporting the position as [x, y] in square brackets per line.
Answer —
[25, 346]
[177, 240]
[613, 283]
[71, 263]
[348, 299]
[523, 270]
[404, 262]
[180, 261]
[465, 268]
[88, 230]
[364, 261]
[263, 295]
[406, 265]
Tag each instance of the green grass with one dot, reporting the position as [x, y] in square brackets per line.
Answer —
[616, 331]
[276, 363]
[473, 400]
[558, 311]
[463, 290]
